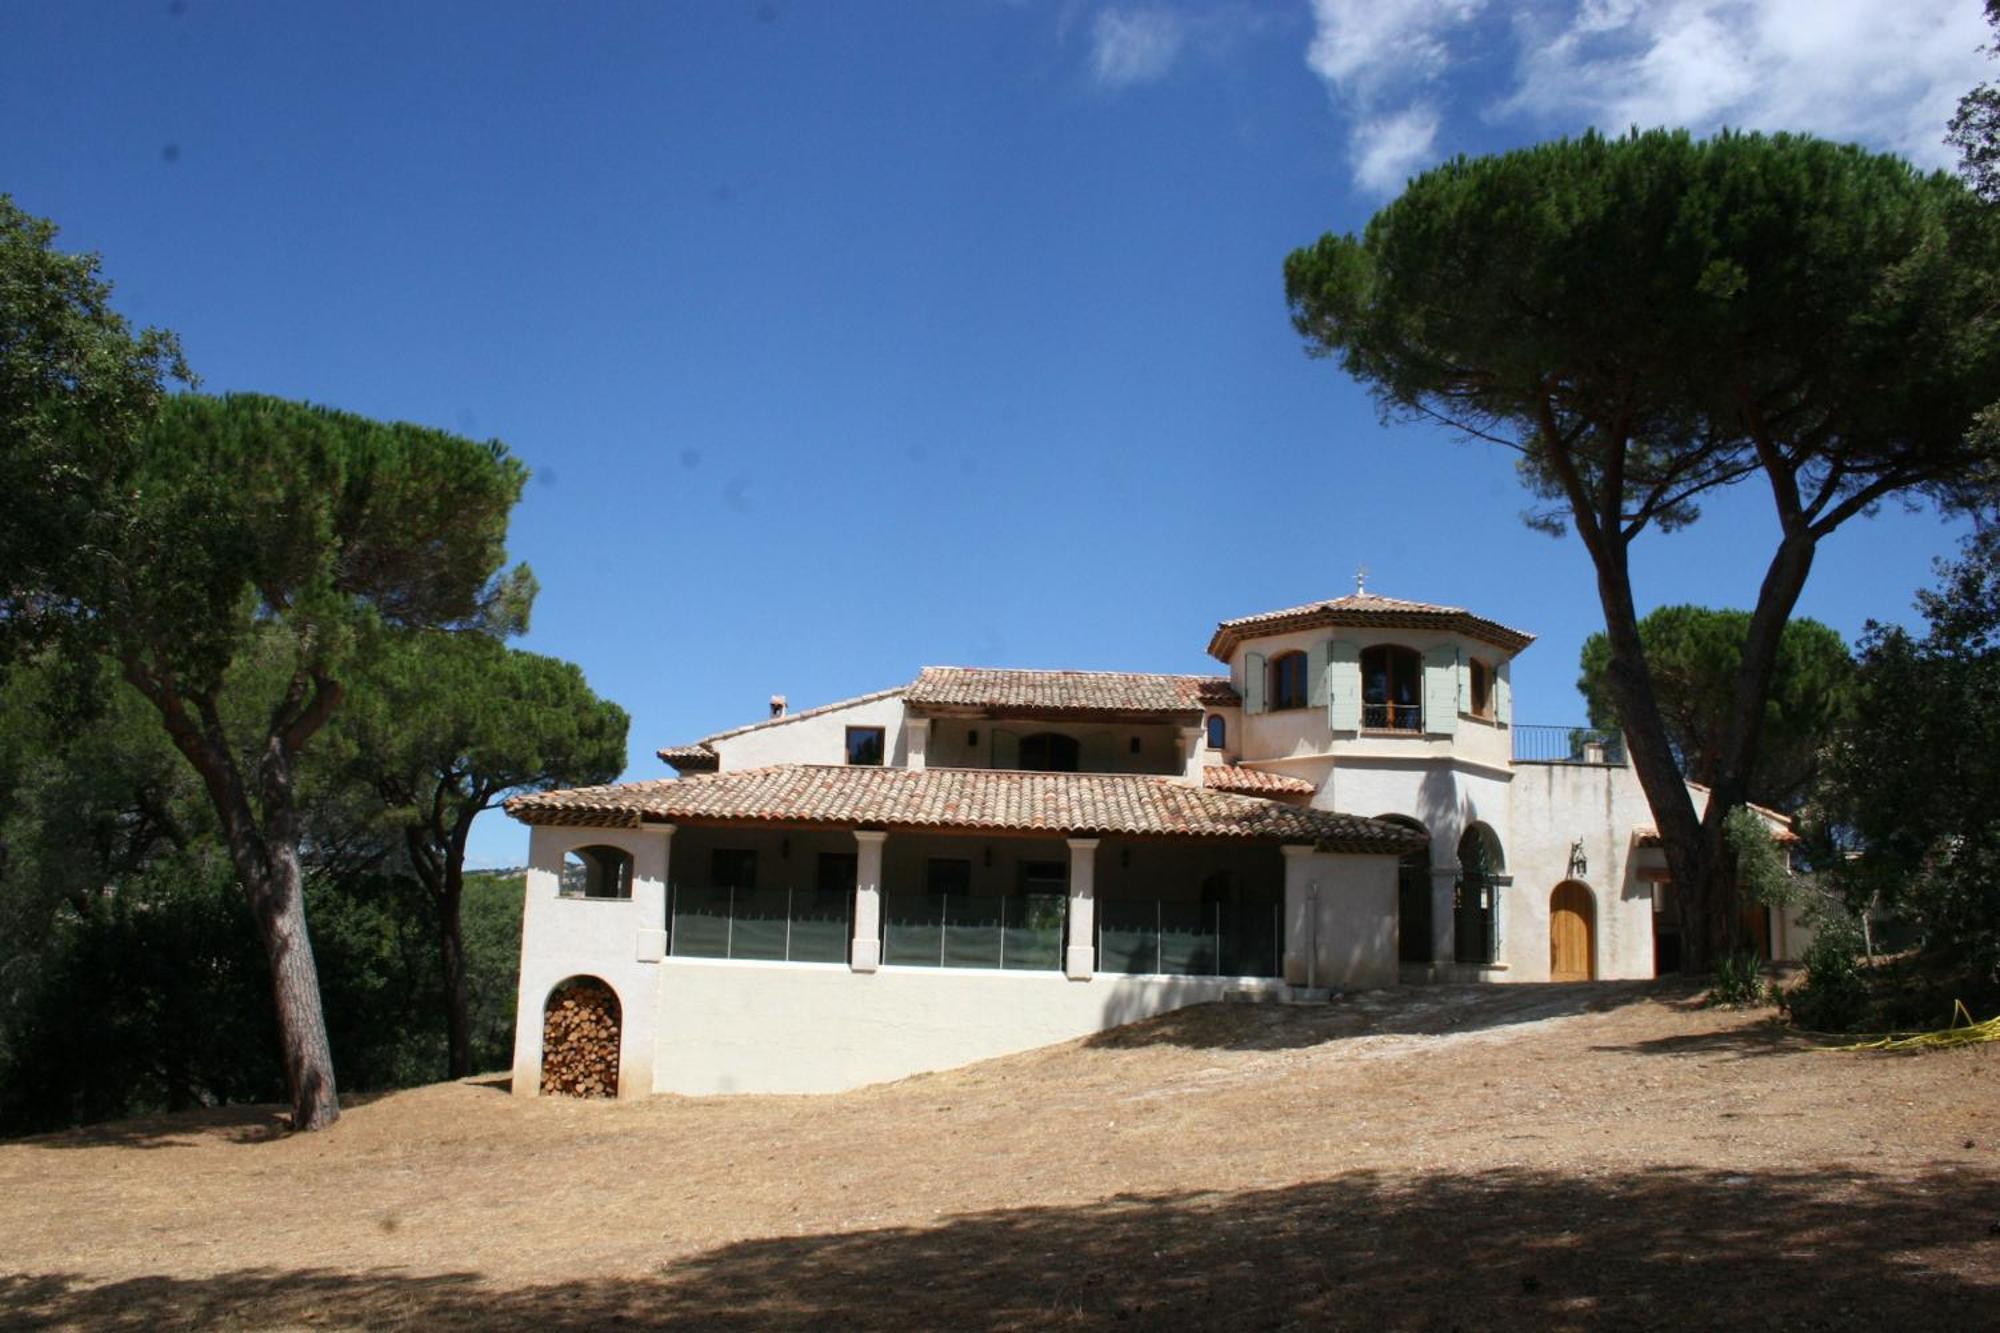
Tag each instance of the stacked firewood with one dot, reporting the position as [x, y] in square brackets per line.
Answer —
[580, 1042]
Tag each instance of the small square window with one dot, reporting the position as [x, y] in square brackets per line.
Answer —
[865, 746]
[972, 737]
[1135, 745]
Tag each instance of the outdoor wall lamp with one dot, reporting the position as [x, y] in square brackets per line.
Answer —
[1579, 865]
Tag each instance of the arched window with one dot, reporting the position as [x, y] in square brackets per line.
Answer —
[1482, 688]
[1218, 732]
[1477, 896]
[1288, 681]
[597, 872]
[1049, 752]
[1392, 688]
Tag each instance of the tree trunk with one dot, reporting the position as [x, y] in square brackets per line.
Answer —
[277, 900]
[265, 855]
[451, 936]
[1777, 596]
[1681, 835]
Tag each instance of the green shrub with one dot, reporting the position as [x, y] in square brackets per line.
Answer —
[1834, 997]
[1739, 979]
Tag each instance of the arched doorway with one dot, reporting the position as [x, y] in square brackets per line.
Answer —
[1572, 933]
[1474, 934]
[580, 1032]
[1413, 898]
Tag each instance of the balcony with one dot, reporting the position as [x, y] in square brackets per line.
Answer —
[1588, 746]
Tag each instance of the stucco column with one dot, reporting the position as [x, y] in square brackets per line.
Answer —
[649, 889]
[1080, 960]
[916, 741]
[866, 954]
[1302, 890]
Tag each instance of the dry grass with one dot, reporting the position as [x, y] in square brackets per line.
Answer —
[1549, 1157]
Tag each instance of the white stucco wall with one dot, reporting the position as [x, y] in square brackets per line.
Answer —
[1555, 805]
[817, 736]
[772, 1027]
[619, 941]
[1340, 920]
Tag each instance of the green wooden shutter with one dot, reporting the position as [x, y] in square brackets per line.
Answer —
[1503, 696]
[1253, 682]
[1006, 749]
[1441, 691]
[1316, 658]
[1343, 685]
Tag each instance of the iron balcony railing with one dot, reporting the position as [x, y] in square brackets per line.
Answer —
[1392, 717]
[1568, 745]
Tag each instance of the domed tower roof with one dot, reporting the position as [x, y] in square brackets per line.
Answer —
[1365, 610]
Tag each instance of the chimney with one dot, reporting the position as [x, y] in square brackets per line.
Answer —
[777, 705]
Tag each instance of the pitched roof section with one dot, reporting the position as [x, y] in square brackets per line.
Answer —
[696, 758]
[1073, 693]
[1253, 781]
[1365, 610]
[962, 798]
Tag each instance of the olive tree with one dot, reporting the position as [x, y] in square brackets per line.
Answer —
[1647, 319]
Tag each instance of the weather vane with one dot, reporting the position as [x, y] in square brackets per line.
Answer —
[1360, 580]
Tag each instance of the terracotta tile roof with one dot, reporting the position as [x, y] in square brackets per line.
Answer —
[1253, 781]
[1365, 610]
[712, 737]
[961, 798]
[1072, 692]
[696, 758]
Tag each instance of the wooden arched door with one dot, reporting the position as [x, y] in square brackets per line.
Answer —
[1572, 933]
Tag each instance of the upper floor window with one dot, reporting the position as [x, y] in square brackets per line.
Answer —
[1288, 681]
[597, 872]
[1392, 688]
[1050, 752]
[1218, 732]
[865, 745]
[1481, 681]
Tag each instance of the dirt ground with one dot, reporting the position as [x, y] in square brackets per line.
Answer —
[1525, 1157]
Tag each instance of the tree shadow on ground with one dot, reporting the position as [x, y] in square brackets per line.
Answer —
[256, 1123]
[1431, 1010]
[245, 1123]
[1755, 1037]
[1497, 1249]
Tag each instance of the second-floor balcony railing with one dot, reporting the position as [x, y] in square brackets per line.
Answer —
[1568, 745]
[1392, 717]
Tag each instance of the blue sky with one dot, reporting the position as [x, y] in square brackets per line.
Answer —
[844, 339]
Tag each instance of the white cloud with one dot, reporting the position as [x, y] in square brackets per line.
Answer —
[1377, 59]
[1885, 74]
[1362, 46]
[1133, 46]
[1387, 149]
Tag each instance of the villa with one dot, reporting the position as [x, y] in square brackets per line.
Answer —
[983, 861]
